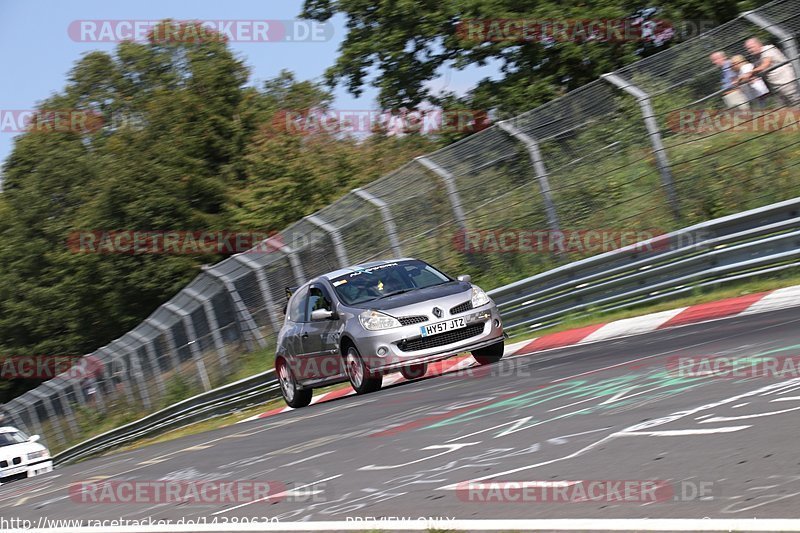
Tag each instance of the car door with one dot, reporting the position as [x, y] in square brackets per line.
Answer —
[292, 342]
[321, 337]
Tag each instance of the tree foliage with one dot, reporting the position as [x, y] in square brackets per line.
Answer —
[186, 145]
[399, 46]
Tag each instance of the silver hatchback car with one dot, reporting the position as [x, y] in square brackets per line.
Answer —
[368, 320]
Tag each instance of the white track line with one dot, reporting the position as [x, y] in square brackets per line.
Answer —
[278, 495]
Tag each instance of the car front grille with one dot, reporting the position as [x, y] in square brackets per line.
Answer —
[3, 464]
[461, 308]
[441, 339]
[17, 460]
[409, 320]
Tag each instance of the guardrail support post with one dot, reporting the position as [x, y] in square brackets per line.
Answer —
[538, 167]
[787, 40]
[263, 284]
[252, 335]
[336, 237]
[194, 346]
[452, 191]
[386, 215]
[654, 132]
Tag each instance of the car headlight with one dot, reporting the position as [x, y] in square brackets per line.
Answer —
[375, 321]
[37, 455]
[479, 297]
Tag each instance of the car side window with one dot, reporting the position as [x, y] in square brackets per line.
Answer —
[318, 299]
[297, 305]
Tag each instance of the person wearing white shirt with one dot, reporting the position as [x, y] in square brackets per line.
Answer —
[755, 90]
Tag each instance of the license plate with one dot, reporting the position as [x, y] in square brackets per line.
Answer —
[442, 327]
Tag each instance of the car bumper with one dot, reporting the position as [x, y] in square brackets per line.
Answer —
[390, 350]
[29, 470]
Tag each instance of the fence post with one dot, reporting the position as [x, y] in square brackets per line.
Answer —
[112, 350]
[336, 237]
[263, 284]
[654, 132]
[539, 168]
[151, 355]
[136, 370]
[252, 335]
[787, 40]
[30, 406]
[68, 411]
[388, 221]
[450, 185]
[194, 346]
[173, 347]
[291, 253]
[55, 423]
[213, 325]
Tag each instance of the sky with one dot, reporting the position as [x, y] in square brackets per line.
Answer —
[37, 48]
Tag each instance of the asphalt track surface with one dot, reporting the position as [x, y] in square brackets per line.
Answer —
[612, 410]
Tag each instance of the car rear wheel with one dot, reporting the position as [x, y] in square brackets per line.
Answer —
[362, 380]
[415, 371]
[293, 395]
[490, 354]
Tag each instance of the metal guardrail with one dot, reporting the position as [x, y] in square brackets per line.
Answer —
[724, 249]
[222, 400]
[720, 250]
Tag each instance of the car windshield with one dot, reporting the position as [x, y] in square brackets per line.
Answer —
[12, 437]
[381, 281]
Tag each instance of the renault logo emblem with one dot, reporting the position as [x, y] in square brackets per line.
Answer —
[437, 312]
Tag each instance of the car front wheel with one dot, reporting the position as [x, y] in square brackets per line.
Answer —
[362, 380]
[489, 354]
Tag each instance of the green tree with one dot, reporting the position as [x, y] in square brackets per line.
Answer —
[399, 46]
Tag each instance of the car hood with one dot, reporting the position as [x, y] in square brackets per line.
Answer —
[17, 450]
[416, 296]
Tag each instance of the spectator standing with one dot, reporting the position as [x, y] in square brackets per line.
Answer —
[731, 95]
[782, 80]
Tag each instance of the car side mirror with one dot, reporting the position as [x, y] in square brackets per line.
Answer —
[33, 438]
[465, 277]
[322, 314]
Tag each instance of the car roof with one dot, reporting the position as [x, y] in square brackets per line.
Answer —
[8, 429]
[355, 268]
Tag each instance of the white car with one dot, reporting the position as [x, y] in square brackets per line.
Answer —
[21, 456]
